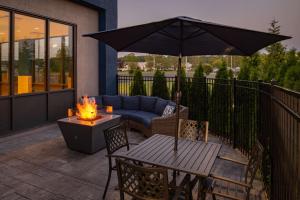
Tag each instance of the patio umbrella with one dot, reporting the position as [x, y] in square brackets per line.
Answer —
[184, 36]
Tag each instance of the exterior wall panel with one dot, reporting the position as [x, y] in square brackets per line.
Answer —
[29, 111]
[59, 102]
[5, 115]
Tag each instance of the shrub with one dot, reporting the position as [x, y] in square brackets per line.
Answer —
[197, 102]
[220, 108]
[138, 87]
[160, 88]
[292, 78]
[183, 89]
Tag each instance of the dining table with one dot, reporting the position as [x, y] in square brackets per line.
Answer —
[192, 157]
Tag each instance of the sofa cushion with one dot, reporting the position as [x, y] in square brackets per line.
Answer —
[139, 116]
[160, 106]
[143, 117]
[131, 102]
[114, 101]
[147, 103]
[126, 114]
[98, 100]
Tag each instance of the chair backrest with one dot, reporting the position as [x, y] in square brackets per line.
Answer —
[188, 129]
[192, 130]
[115, 138]
[142, 182]
[254, 162]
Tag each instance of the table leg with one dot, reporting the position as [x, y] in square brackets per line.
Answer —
[201, 193]
[174, 177]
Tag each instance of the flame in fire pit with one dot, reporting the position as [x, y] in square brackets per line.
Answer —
[87, 110]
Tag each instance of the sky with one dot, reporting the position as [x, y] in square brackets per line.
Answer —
[250, 14]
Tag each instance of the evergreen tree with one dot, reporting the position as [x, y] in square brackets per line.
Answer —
[198, 96]
[223, 72]
[292, 78]
[275, 58]
[138, 87]
[250, 67]
[132, 66]
[160, 88]
[290, 61]
[219, 107]
[25, 58]
[207, 68]
[183, 88]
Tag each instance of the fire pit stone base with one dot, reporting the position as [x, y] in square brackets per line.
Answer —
[86, 136]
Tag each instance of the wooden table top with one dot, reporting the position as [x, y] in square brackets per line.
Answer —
[191, 157]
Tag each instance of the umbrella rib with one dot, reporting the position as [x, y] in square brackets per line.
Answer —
[140, 38]
[194, 34]
[221, 39]
[165, 33]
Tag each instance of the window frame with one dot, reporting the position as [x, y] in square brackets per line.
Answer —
[11, 66]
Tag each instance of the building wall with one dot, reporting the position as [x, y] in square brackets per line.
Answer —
[87, 20]
[108, 56]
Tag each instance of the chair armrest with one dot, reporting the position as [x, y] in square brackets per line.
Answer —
[232, 160]
[167, 125]
[230, 180]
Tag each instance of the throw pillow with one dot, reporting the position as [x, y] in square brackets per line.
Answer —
[169, 110]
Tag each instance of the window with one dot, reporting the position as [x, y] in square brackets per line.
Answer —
[29, 68]
[29, 56]
[4, 53]
[61, 56]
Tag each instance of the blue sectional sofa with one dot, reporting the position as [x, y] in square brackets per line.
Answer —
[143, 113]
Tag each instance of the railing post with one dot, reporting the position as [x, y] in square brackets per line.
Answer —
[271, 139]
[206, 98]
[234, 114]
[117, 84]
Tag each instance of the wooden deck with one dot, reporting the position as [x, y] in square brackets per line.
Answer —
[36, 164]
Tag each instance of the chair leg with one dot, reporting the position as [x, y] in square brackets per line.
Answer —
[174, 177]
[121, 195]
[201, 192]
[108, 178]
[214, 197]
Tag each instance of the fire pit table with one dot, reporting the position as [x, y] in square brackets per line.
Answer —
[87, 136]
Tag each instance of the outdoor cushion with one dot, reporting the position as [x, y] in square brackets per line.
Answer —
[98, 100]
[147, 103]
[140, 116]
[143, 117]
[169, 110]
[160, 106]
[114, 101]
[131, 102]
[125, 114]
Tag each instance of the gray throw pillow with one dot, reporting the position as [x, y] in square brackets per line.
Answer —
[169, 110]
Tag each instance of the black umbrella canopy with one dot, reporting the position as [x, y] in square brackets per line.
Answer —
[184, 36]
[188, 37]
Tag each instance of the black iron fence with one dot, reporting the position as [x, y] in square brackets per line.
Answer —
[240, 112]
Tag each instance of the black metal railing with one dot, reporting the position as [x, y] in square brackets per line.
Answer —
[240, 112]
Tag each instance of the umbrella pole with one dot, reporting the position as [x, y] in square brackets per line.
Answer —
[178, 97]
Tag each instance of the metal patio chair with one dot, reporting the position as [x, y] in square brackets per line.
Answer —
[192, 130]
[115, 139]
[219, 186]
[148, 183]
